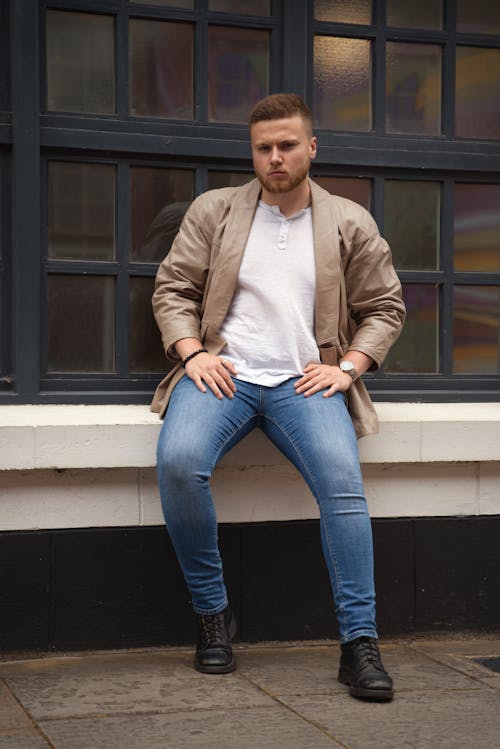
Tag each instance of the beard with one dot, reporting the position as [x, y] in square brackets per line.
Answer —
[284, 184]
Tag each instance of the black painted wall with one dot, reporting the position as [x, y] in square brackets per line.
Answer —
[114, 587]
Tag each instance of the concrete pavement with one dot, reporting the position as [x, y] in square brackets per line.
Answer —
[283, 696]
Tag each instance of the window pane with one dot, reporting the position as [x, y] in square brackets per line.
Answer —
[411, 223]
[188, 4]
[159, 198]
[161, 69]
[343, 11]
[354, 188]
[476, 329]
[81, 323]
[413, 88]
[145, 346]
[476, 228]
[417, 349]
[81, 211]
[245, 7]
[228, 179]
[342, 83]
[238, 65]
[80, 62]
[479, 17]
[477, 100]
[426, 14]
[4, 56]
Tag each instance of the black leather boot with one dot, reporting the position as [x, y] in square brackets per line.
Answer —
[214, 654]
[361, 668]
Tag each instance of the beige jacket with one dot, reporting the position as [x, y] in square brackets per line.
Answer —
[358, 295]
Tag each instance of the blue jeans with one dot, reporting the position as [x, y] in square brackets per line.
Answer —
[316, 434]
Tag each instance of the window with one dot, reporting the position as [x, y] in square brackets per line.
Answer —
[115, 114]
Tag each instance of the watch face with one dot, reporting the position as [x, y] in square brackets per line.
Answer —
[347, 366]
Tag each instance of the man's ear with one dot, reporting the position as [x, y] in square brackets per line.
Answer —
[313, 147]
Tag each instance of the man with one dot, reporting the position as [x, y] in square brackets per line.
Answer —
[273, 301]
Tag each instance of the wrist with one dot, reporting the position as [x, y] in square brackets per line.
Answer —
[193, 354]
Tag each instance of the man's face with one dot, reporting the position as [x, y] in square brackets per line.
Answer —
[282, 151]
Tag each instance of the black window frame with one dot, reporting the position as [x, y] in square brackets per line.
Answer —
[38, 136]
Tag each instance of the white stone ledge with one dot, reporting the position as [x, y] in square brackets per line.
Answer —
[64, 436]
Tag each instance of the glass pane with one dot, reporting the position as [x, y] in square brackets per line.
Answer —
[343, 11]
[81, 211]
[228, 179]
[188, 4]
[238, 72]
[342, 83]
[411, 223]
[476, 329]
[4, 56]
[145, 347]
[81, 323]
[476, 228]
[479, 17]
[354, 188]
[477, 99]
[245, 7]
[159, 198]
[413, 88]
[417, 349]
[426, 14]
[80, 62]
[161, 69]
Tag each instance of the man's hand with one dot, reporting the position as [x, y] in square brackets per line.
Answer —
[215, 371]
[323, 377]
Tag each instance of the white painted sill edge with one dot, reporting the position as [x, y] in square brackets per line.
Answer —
[110, 436]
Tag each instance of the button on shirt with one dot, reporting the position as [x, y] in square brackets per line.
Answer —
[270, 326]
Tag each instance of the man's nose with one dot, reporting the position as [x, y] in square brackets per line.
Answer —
[276, 155]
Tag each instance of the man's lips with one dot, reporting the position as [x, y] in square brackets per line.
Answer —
[277, 173]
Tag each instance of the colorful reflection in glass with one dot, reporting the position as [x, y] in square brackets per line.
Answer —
[161, 69]
[342, 83]
[80, 63]
[81, 211]
[187, 4]
[238, 72]
[477, 97]
[417, 349]
[411, 223]
[413, 88]
[145, 349]
[476, 329]
[408, 14]
[354, 188]
[478, 17]
[159, 198]
[343, 11]
[476, 228]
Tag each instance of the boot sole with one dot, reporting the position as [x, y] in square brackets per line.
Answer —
[375, 695]
[226, 669]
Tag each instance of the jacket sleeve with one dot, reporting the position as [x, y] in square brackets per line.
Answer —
[373, 290]
[181, 278]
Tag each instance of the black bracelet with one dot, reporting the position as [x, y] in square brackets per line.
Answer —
[193, 354]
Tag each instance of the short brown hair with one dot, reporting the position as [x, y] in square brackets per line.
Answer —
[278, 107]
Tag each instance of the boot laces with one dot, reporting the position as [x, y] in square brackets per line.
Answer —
[212, 627]
[368, 654]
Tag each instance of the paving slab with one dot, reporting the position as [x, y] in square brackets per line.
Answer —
[274, 727]
[462, 656]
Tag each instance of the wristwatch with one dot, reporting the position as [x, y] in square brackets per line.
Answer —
[349, 368]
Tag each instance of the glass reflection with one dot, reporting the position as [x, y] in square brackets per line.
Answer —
[343, 11]
[81, 323]
[417, 349]
[238, 72]
[159, 198]
[145, 353]
[354, 188]
[476, 228]
[80, 62]
[187, 4]
[245, 7]
[479, 17]
[476, 329]
[161, 69]
[413, 88]
[81, 211]
[426, 14]
[477, 100]
[228, 179]
[411, 223]
[342, 83]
